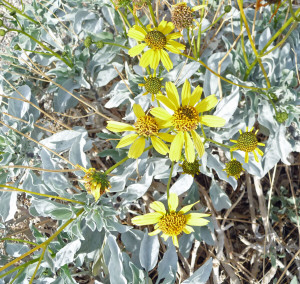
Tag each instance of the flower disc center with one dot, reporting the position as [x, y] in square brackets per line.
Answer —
[146, 126]
[172, 224]
[186, 118]
[247, 142]
[153, 85]
[155, 40]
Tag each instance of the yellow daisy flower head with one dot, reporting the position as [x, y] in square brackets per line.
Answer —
[171, 223]
[145, 127]
[247, 142]
[95, 182]
[182, 15]
[234, 168]
[157, 39]
[185, 118]
[191, 168]
[152, 85]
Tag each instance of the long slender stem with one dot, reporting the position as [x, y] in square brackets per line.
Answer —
[217, 20]
[38, 265]
[152, 13]
[136, 18]
[215, 142]
[22, 266]
[169, 180]
[18, 240]
[116, 44]
[41, 194]
[42, 244]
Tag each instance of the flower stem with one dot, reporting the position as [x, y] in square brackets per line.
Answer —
[38, 265]
[215, 142]
[152, 13]
[18, 240]
[137, 19]
[169, 180]
[116, 44]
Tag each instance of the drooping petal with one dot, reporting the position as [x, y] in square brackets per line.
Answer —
[157, 231]
[176, 147]
[173, 202]
[166, 136]
[127, 140]
[246, 157]
[155, 59]
[198, 143]
[136, 50]
[186, 93]
[207, 104]
[260, 152]
[147, 219]
[194, 220]
[196, 95]
[137, 148]
[146, 58]
[172, 94]
[159, 145]
[175, 241]
[160, 113]
[177, 45]
[189, 148]
[212, 120]
[116, 126]
[187, 208]
[255, 156]
[158, 207]
[165, 59]
[136, 33]
[187, 229]
[138, 111]
[166, 101]
[173, 36]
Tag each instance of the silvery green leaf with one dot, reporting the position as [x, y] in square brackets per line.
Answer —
[187, 72]
[201, 275]
[218, 197]
[203, 233]
[15, 249]
[107, 73]
[185, 244]
[182, 185]
[77, 155]
[264, 38]
[48, 36]
[67, 253]
[118, 95]
[8, 206]
[167, 264]
[149, 251]
[63, 100]
[294, 280]
[138, 276]
[114, 225]
[115, 266]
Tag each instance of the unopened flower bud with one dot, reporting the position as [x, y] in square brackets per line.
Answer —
[1, 23]
[99, 44]
[227, 8]
[17, 47]
[88, 41]
[13, 13]
[2, 32]
[274, 97]
[281, 116]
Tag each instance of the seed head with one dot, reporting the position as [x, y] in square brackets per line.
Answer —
[182, 16]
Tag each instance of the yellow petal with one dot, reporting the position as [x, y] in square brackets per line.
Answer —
[146, 58]
[137, 148]
[260, 152]
[159, 145]
[177, 45]
[255, 157]
[173, 36]
[189, 148]
[186, 93]
[165, 59]
[172, 49]
[194, 220]
[155, 59]
[176, 147]
[140, 29]
[138, 111]
[158, 207]
[116, 126]
[198, 143]
[187, 208]
[168, 28]
[136, 50]
[212, 120]
[160, 113]
[157, 231]
[166, 101]
[96, 194]
[196, 8]
[165, 237]
[187, 229]
[196, 95]
[162, 25]
[136, 33]
[172, 94]
[207, 104]
[166, 136]
[246, 157]
[127, 140]
[147, 219]
[173, 202]
[175, 241]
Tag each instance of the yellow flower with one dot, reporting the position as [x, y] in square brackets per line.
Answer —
[248, 142]
[145, 127]
[171, 223]
[157, 39]
[152, 85]
[95, 182]
[185, 118]
[234, 168]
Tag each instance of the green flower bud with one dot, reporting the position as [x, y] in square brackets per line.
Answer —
[17, 47]
[273, 97]
[1, 23]
[99, 44]
[227, 8]
[13, 13]
[2, 32]
[88, 41]
[281, 116]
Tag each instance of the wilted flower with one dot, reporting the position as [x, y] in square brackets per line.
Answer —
[233, 168]
[171, 223]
